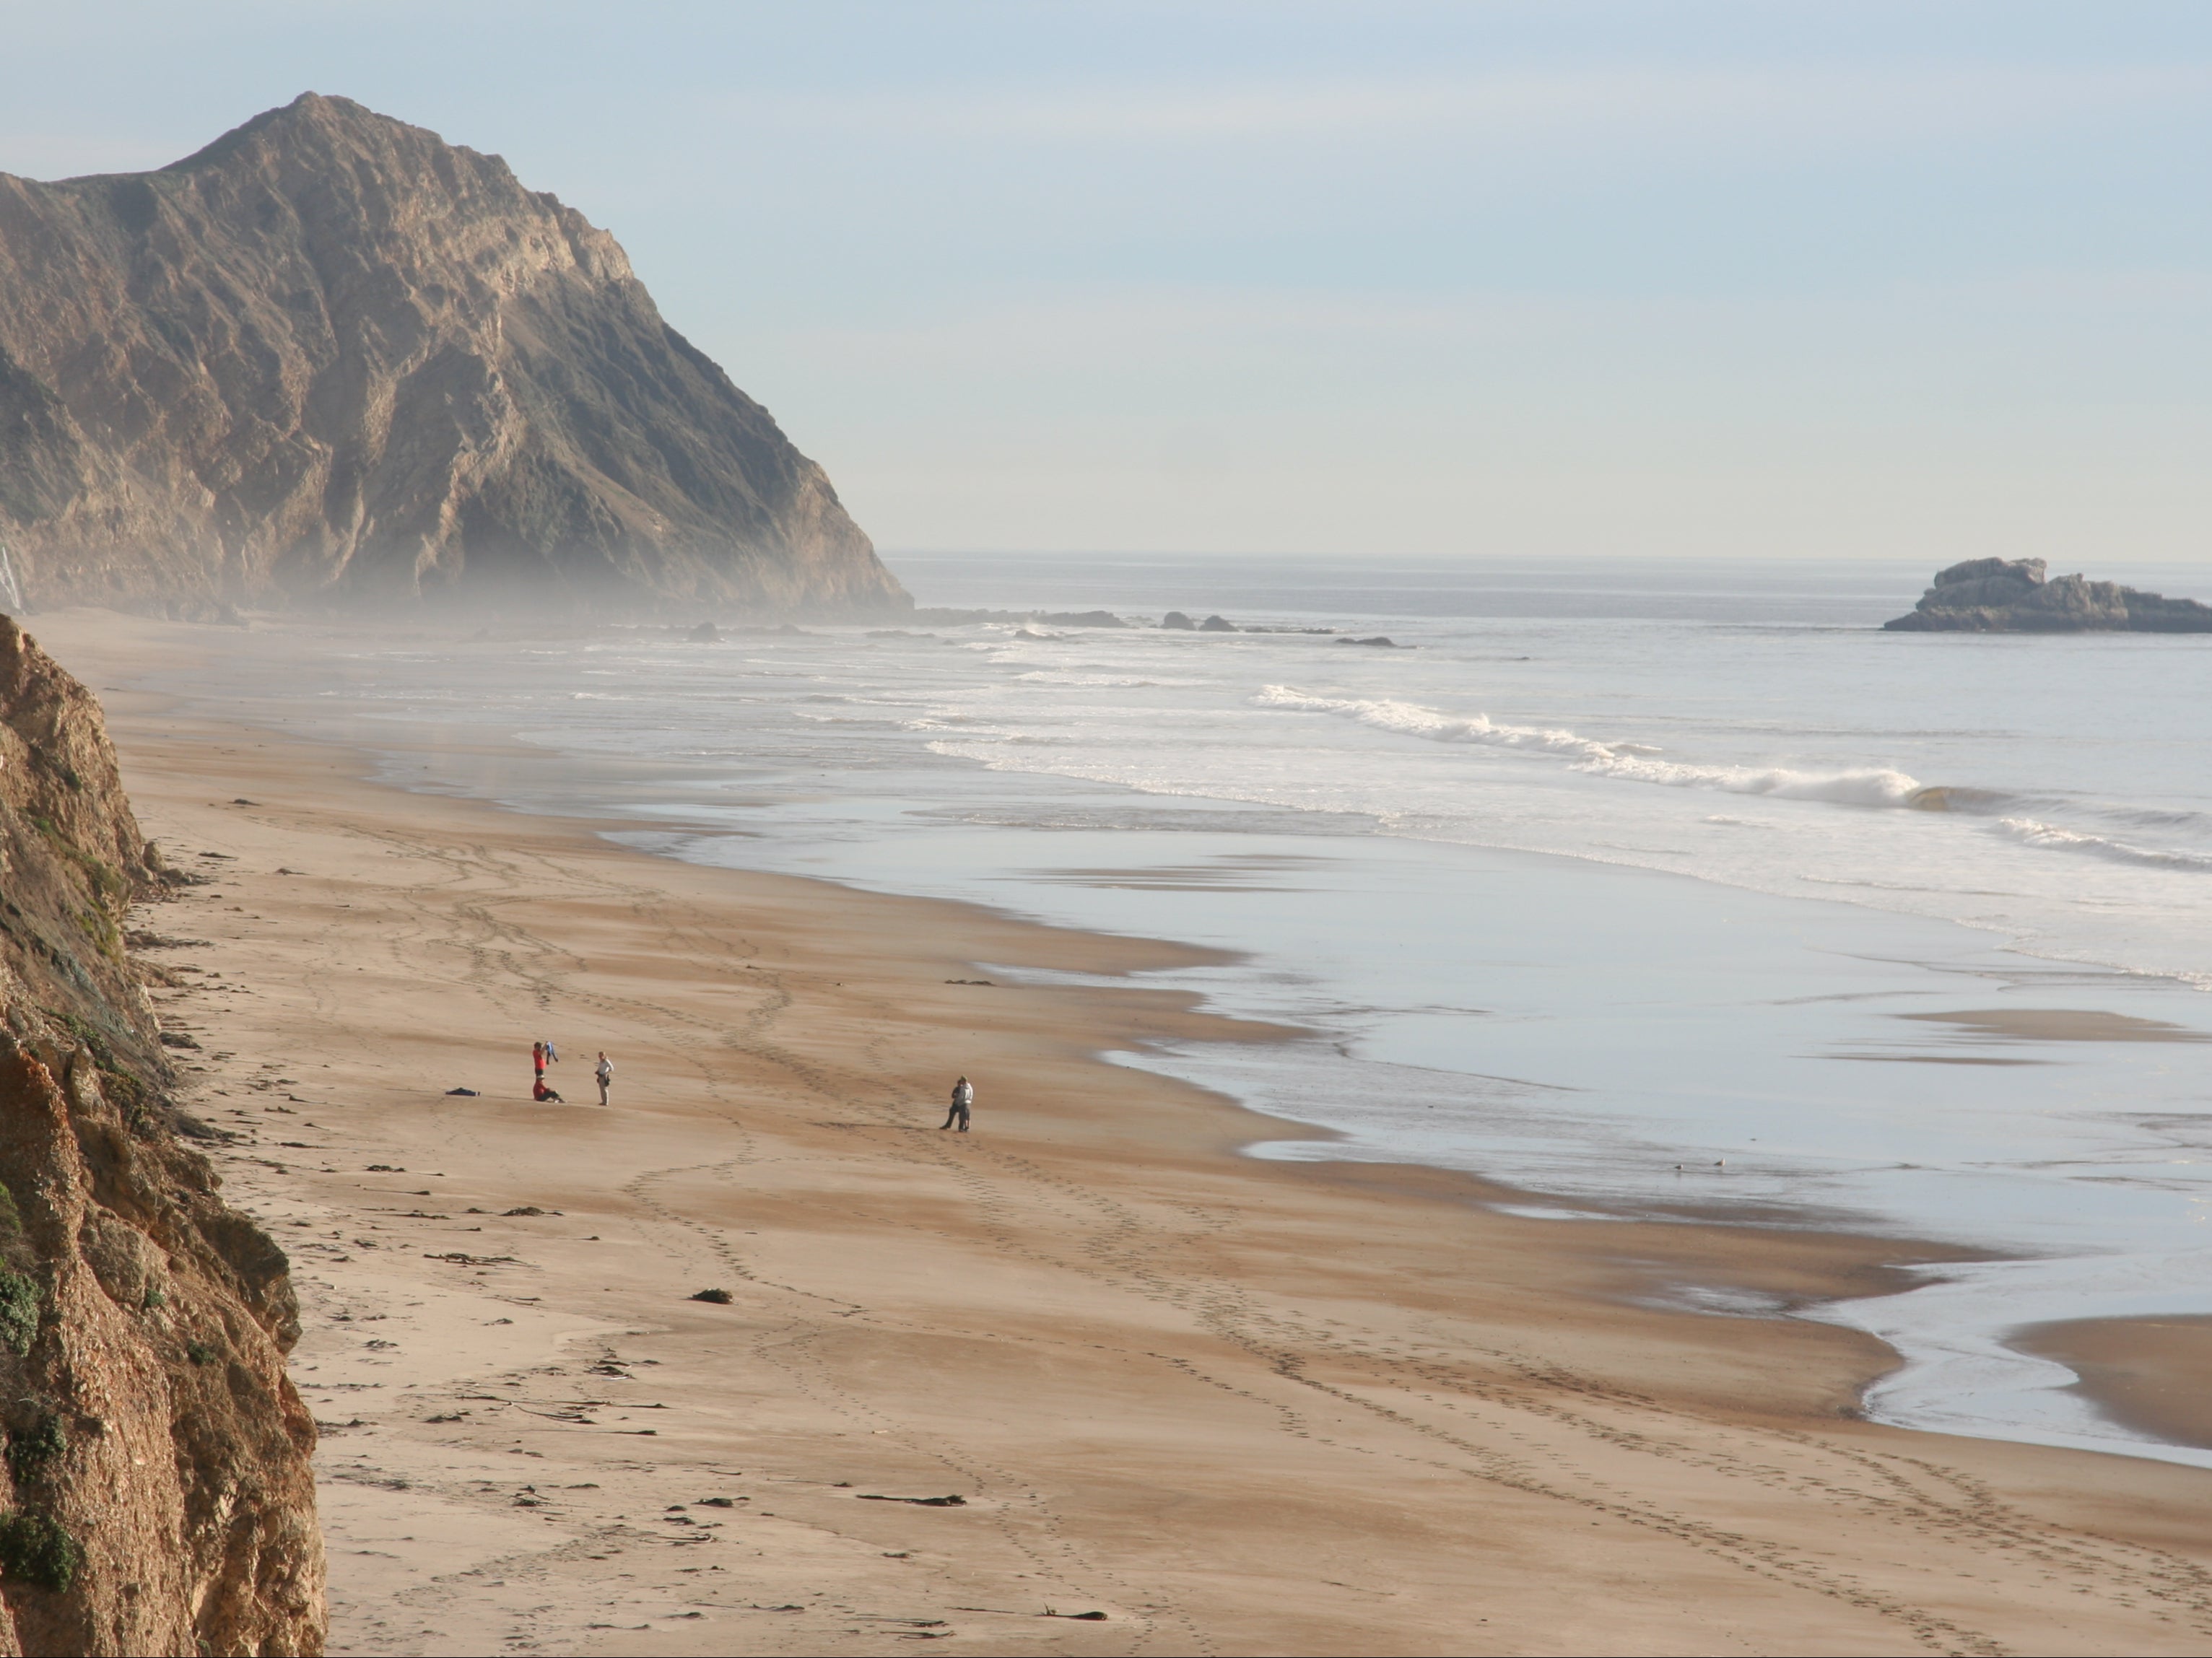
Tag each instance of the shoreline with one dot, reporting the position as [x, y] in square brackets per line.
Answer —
[386, 764]
[1146, 1311]
[2144, 1373]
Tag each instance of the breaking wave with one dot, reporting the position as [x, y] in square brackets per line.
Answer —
[1631, 761]
[2031, 832]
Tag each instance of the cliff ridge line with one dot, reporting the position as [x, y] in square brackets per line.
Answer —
[331, 358]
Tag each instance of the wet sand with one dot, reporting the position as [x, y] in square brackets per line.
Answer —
[2153, 1374]
[1236, 1406]
[2056, 1024]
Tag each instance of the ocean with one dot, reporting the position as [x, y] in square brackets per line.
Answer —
[1667, 889]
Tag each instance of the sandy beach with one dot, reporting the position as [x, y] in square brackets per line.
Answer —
[1228, 1406]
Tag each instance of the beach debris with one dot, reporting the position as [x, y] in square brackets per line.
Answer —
[462, 1093]
[1079, 1617]
[179, 1039]
[720, 1298]
[718, 1503]
[950, 982]
[529, 1209]
[386, 1169]
[955, 1502]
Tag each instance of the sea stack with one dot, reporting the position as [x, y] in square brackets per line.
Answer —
[331, 358]
[2010, 596]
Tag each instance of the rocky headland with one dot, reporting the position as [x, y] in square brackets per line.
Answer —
[331, 358]
[2010, 596]
[158, 1492]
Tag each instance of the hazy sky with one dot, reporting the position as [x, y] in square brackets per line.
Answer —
[1826, 279]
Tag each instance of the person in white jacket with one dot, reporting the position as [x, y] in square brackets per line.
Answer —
[964, 1096]
[604, 1071]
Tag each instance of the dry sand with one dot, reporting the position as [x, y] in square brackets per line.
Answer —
[1236, 1406]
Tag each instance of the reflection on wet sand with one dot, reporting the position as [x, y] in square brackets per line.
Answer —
[2056, 1024]
[2146, 1374]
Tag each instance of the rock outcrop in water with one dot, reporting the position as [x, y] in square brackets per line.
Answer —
[332, 357]
[158, 1495]
[1995, 595]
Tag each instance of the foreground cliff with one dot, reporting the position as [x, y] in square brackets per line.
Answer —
[1995, 595]
[158, 1496]
[332, 358]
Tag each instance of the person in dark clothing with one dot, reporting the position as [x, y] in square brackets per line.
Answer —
[964, 1096]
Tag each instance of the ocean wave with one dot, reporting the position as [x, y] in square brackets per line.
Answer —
[2031, 832]
[1631, 761]
[2164, 818]
[1092, 681]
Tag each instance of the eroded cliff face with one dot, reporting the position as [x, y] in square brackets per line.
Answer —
[158, 1492]
[332, 357]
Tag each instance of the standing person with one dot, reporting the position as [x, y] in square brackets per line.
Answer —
[964, 1096]
[552, 1055]
[604, 1071]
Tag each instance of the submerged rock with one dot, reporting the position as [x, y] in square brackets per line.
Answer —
[1997, 595]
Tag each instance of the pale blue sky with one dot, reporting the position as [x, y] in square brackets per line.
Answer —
[1808, 279]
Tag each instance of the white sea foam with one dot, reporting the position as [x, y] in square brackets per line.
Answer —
[1098, 681]
[2031, 832]
[1631, 761]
